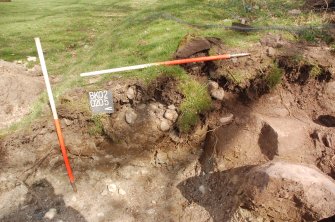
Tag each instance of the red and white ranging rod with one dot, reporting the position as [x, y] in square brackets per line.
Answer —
[166, 63]
[54, 113]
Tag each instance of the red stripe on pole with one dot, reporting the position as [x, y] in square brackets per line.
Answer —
[64, 153]
[198, 59]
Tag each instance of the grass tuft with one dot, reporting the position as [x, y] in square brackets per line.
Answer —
[274, 76]
[197, 100]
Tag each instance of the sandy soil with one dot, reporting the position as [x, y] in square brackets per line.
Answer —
[19, 88]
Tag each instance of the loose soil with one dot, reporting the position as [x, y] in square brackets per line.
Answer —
[234, 170]
[19, 88]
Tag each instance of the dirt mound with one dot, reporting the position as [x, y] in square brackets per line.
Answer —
[19, 88]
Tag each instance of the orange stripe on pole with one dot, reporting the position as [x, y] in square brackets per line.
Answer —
[62, 147]
[166, 63]
[54, 112]
[198, 59]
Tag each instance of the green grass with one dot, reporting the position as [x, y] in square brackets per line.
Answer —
[83, 35]
[197, 101]
[274, 76]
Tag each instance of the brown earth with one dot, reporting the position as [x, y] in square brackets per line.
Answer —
[261, 154]
[19, 88]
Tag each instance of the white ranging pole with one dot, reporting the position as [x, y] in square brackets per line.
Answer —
[54, 113]
[46, 77]
[166, 63]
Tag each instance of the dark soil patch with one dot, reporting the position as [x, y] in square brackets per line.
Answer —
[326, 120]
[165, 89]
[320, 4]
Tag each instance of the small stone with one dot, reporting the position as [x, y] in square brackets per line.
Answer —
[141, 106]
[164, 126]
[104, 192]
[161, 158]
[68, 122]
[172, 107]
[174, 137]
[212, 85]
[122, 192]
[271, 52]
[294, 12]
[130, 117]
[217, 93]
[112, 188]
[31, 58]
[202, 189]
[256, 7]
[153, 202]
[50, 214]
[161, 106]
[243, 21]
[131, 93]
[19, 61]
[171, 115]
[227, 119]
[151, 211]
[101, 214]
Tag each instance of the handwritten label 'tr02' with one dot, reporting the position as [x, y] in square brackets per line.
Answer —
[101, 101]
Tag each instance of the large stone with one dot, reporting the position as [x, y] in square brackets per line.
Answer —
[274, 191]
[290, 192]
[282, 137]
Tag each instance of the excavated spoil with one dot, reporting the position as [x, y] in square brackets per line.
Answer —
[265, 151]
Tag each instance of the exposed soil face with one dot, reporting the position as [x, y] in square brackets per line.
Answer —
[261, 153]
[19, 88]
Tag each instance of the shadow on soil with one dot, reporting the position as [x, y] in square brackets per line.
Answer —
[39, 200]
[216, 192]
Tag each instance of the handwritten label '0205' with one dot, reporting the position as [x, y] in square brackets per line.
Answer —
[101, 101]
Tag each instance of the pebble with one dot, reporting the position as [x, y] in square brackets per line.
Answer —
[101, 214]
[130, 116]
[171, 115]
[104, 192]
[227, 119]
[172, 107]
[50, 214]
[161, 106]
[131, 93]
[112, 188]
[68, 122]
[31, 58]
[294, 12]
[164, 126]
[122, 192]
[202, 189]
[217, 93]
[212, 85]
[271, 52]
